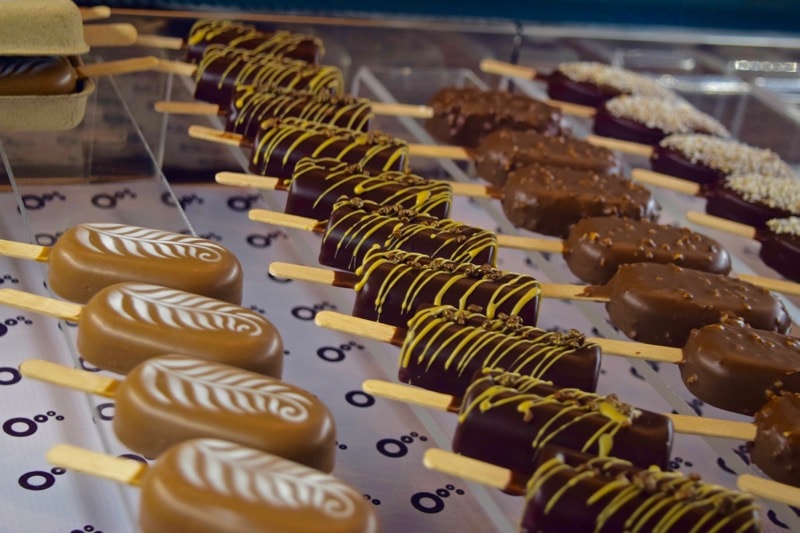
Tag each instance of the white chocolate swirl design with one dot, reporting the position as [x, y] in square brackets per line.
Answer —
[170, 308]
[234, 471]
[145, 243]
[202, 384]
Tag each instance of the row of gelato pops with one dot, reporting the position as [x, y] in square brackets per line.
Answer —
[489, 161]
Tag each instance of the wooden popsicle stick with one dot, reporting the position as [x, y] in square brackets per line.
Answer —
[95, 13]
[21, 250]
[639, 350]
[474, 190]
[401, 110]
[409, 394]
[692, 425]
[663, 180]
[186, 108]
[628, 147]
[576, 110]
[41, 304]
[359, 326]
[440, 151]
[771, 284]
[170, 66]
[120, 469]
[472, 470]
[322, 276]
[286, 220]
[217, 136]
[72, 378]
[713, 427]
[160, 41]
[565, 291]
[518, 242]
[769, 489]
[123, 66]
[117, 34]
[503, 68]
[722, 224]
[239, 179]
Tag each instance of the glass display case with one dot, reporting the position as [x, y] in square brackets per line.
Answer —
[128, 163]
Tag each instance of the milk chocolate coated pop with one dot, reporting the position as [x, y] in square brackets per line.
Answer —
[215, 486]
[463, 115]
[525, 414]
[444, 347]
[504, 151]
[776, 448]
[647, 120]
[738, 368]
[661, 304]
[222, 69]
[706, 159]
[127, 323]
[597, 246]
[89, 257]
[174, 398]
[43, 75]
[550, 200]
[207, 32]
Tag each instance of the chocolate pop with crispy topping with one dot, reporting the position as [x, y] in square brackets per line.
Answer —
[776, 448]
[504, 151]
[706, 159]
[550, 200]
[463, 115]
[647, 120]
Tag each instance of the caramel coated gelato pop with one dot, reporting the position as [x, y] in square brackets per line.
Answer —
[173, 398]
[573, 490]
[215, 486]
[89, 257]
[127, 323]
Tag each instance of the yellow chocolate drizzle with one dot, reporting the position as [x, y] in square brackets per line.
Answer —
[503, 342]
[456, 241]
[661, 499]
[277, 42]
[255, 104]
[313, 138]
[419, 271]
[246, 69]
